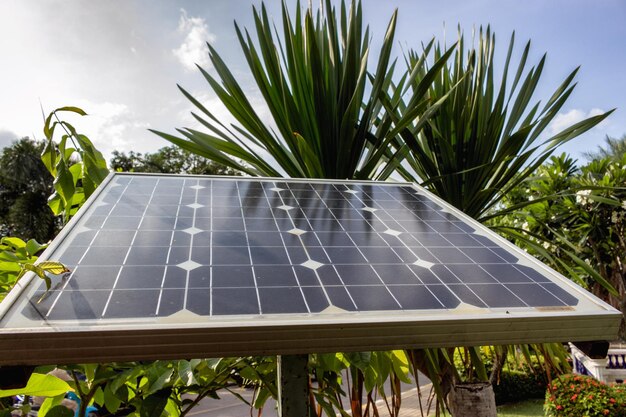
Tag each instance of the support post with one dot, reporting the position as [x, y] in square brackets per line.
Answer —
[293, 386]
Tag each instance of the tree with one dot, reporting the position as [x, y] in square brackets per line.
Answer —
[614, 149]
[481, 143]
[168, 160]
[25, 185]
[322, 99]
[585, 213]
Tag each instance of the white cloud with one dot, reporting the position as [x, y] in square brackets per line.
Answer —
[193, 50]
[110, 126]
[565, 120]
[7, 137]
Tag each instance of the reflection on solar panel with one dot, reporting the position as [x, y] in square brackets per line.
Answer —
[169, 252]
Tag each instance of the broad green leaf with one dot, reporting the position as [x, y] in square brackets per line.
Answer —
[11, 267]
[52, 267]
[185, 372]
[33, 247]
[49, 403]
[40, 385]
[401, 365]
[59, 411]
[111, 400]
[163, 377]
[14, 242]
[64, 182]
[172, 408]
[154, 404]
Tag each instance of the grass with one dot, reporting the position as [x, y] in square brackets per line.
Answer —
[529, 408]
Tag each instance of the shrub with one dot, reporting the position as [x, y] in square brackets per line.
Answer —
[519, 385]
[583, 396]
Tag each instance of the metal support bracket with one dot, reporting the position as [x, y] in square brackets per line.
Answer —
[293, 385]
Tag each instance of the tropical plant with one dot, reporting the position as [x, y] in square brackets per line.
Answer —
[585, 214]
[487, 137]
[484, 140]
[323, 102]
[614, 148]
[75, 164]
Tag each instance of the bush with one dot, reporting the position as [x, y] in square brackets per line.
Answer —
[519, 385]
[578, 396]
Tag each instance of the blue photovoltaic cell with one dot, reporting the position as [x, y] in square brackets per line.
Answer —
[157, 245]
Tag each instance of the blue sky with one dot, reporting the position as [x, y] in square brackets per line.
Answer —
[121, 61]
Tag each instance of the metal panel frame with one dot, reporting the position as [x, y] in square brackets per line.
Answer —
[271, 334]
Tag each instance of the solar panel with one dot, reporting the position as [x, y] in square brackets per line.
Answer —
[260, 266]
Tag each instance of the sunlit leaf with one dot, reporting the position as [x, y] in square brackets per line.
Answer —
[40, 385]
[52, 267]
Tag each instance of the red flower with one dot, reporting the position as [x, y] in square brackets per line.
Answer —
[605, 412]
[559, 407]
[573, 397]
[612, 400]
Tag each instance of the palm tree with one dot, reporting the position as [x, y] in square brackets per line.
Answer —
[615, 148]
[323, 101]
[482, 142]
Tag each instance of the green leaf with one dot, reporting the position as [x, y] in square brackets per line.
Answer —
[111, 400]
[172, 408]
[14, 242]
[49, 157]
[163, 377]
[56, 204]
[593, 273]
[154, 405]
[59, 411]
[64, 182]
[323, 102]
[401, 365]
[33, 247]
[185, 372]
[49, 403]
[359, 359]
[71, 109]
[478, 363]
[40, 385]
[56, 268]
[11, 267]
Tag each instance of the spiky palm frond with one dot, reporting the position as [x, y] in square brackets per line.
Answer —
[314, 80]
[489, 135]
